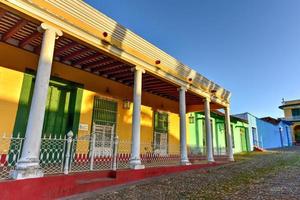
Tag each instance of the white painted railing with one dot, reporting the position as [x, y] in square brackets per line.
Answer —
[79, 154]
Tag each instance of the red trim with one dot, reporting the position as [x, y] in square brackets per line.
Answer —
[51, 187]
[3, 159]
[256, 148]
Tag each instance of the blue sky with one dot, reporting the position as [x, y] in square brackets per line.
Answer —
[250, 47]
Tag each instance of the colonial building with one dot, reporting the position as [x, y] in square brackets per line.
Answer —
[79, 92]
[252, 135]
[274, 133]
[291, 111]
[239, 130]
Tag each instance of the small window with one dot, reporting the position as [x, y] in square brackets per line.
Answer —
[104, 123]
[160, 140]
[296, 112]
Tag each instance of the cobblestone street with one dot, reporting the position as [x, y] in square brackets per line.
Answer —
[268, 175]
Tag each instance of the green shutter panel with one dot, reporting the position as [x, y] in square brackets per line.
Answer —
[104, 112]
[24, 105]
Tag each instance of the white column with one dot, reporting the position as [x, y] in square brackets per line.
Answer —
[228, 134]
[209, 142]
[182, 115]
[135, 160]
[28, 165]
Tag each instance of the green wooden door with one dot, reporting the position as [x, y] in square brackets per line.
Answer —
[243, 139]
[203, 134]
[58, 116]
[61, 114]
[58, 122]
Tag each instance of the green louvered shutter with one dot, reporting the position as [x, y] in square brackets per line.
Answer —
[104, 112]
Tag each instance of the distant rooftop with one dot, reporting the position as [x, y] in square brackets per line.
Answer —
[284, 103]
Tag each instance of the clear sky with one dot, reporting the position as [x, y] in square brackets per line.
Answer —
[250, 47]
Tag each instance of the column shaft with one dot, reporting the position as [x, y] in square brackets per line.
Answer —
[28, 165]
[182, 115]
[228, 134]
[209, 142]
[135, 160]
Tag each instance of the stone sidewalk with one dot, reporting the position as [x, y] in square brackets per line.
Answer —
[267, 175]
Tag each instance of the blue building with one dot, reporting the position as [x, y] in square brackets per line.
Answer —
[274, 133]
[252, 133]
[267, 132]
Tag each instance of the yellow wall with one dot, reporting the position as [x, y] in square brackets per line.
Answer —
[124, 121]
[10, 89]
[11, 76]
[288, 113]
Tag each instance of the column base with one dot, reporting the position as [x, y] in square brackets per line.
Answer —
[210, 160]
[185, 162]
[136, 164]
[26, 169]
[231, 159]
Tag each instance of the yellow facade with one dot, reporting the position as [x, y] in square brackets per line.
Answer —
[10, 89]
[287, 107]
[11, 77]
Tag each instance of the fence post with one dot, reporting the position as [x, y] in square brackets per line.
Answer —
[68, 153]
[92, 151]
[115, 152]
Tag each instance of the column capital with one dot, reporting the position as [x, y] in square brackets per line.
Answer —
[43, 27]
[227, 108]
[207, 99]
[138, 68]
[184, 88]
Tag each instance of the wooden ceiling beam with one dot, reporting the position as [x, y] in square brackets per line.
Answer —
[29, 39]
[10, 33]
[65, 48]
[124, 77]
[169, 90]
[98, 63]
[120, 73]
[108, 67]
[159, 86]
[128, 80]
[73, 55]
[161, 89]
[151, 81]
[154, 84]
[2, 12]
[91, 57]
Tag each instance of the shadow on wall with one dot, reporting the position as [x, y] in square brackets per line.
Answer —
[118, 35]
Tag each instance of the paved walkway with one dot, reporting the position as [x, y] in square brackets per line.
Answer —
[269, 175]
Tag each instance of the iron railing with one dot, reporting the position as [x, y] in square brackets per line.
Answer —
[10, 150]
[79, 154]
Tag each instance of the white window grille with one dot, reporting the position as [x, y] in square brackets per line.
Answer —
[104, 135]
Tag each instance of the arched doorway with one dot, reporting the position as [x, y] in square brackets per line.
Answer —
[297, 133]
